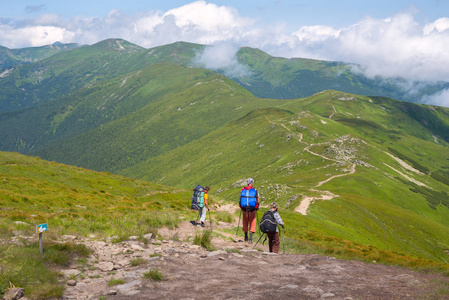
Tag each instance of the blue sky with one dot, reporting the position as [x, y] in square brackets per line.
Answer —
[390, 38]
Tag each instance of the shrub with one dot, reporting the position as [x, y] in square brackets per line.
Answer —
[204, 239]
[137, 261]
[153, 274]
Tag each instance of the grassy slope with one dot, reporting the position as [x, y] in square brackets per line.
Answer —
[173, 106]
[60, 74]
[15, 57]
[181, 126]
[34, 191]
[75, 201]
[281, 78]
[376, 205]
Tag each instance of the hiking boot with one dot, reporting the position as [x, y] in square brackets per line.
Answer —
[250, 241]
[246, 237]
[202, 224]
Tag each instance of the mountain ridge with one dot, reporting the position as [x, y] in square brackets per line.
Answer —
[181, 125]
[268, 76]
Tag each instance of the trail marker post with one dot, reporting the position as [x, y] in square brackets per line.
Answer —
[41, 229]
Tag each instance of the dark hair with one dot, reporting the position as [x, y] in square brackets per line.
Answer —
[207, 188]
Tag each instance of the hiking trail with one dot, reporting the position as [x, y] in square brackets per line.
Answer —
[233, 271]
[326, 195]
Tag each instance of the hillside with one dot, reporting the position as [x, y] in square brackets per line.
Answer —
[31, 76]
[14, 57]
[381, 164]
[366, 154]
[110, 236]
[72, 201]
[281, 78]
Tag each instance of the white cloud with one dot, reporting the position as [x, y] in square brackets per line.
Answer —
[439, 25]
[222, 56]
[316, 33]
[441, 98]
[396, 46]
[35, 35]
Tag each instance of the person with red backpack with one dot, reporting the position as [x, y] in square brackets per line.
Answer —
[249, 204]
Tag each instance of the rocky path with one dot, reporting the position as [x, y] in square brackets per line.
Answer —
[234, 271]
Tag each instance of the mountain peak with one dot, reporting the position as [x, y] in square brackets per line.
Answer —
[117, 44]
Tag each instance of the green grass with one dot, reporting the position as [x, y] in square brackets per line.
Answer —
[71, 201]
[137, 262]
[24, 266]
[154, 275]
[118, 281]
[204, 239]
[222, 216]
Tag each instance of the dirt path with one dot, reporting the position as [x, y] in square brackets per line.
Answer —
[352, 171]
[236, 271]
[307, 200]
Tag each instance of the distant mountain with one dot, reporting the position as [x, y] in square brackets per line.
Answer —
[149, 114]
[383, 163]
[37, 75]
[14, 57]
[281, 78]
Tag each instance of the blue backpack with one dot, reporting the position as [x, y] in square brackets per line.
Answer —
[198, 197]
[248, 199]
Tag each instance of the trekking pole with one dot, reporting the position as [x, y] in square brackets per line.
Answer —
[283, 234]
[238, 225]
[258, 240]
[257, 219]
[210, 219]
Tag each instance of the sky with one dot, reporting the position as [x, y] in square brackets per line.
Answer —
[404, 38]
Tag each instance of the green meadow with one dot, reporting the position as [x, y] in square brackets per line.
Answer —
[113, 138]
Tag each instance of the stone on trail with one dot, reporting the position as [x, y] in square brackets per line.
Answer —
[14, 294]
[71, 282]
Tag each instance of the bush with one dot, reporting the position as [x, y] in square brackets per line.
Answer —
[137, 261]
[204, 239]
[153, 274]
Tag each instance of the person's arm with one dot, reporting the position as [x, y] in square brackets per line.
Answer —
[278, 219]
[206, 196]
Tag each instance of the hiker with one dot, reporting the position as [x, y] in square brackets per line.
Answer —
[273, 237]
[249, 204]
[205, 205]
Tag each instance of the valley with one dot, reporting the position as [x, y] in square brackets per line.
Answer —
[109, 139]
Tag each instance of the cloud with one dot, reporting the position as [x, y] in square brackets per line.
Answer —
[35, 36]
[222, 57]
[398, 46]
[34, 8]
[440, 98]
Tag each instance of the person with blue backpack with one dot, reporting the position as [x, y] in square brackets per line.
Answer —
[203, 206]
[249, 204]
[200, 203]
